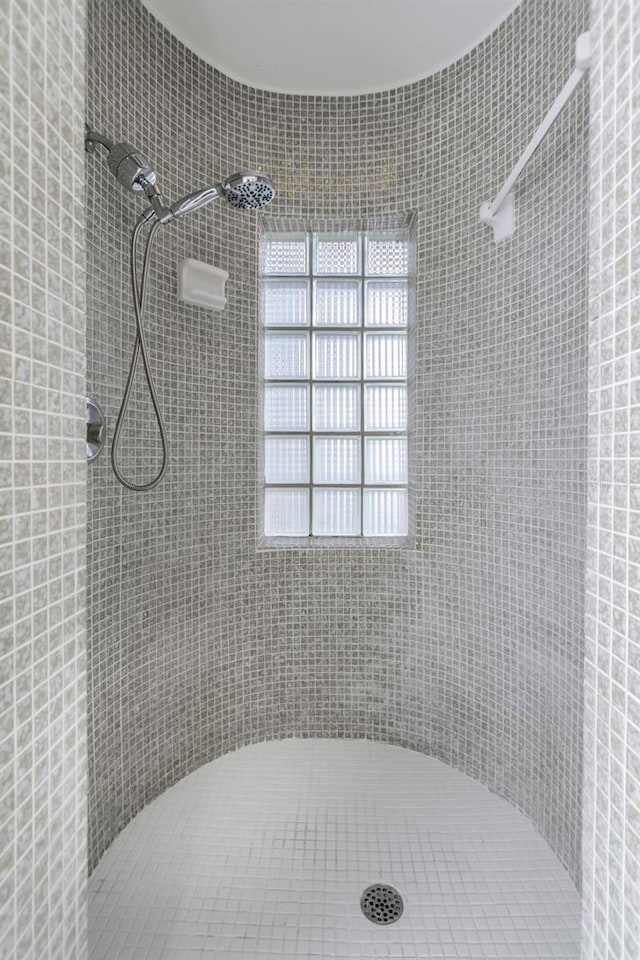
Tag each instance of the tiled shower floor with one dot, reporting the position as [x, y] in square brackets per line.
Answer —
[265, 852]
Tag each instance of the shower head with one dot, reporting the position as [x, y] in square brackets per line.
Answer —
[245, 191]
[248, 191]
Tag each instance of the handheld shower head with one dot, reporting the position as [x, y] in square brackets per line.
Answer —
[245, 191]
[249, 191]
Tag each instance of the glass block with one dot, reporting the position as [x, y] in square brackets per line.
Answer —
[385, 460]
[387, 254]
[286, 407]
[336, 459]
[386, 303]
[285, 303]
[385, 407]
[286, 356]
[385, 513]
[385, 356]
[337, 303]
[285, 253]
[336, 356]
[336, 513]
[336, 253]
[286, 512]
[336, 408]
[286, 459]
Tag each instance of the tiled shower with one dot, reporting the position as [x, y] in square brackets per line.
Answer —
[467, 642]
[205, 641]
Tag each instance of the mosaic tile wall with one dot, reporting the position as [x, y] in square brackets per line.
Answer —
[612, 690]
[42, 346]
[467, 647]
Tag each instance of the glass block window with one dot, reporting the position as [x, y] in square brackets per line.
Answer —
[334, 312]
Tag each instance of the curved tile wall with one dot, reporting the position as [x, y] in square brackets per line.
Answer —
[467, 647]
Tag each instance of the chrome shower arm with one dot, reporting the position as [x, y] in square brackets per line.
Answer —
[92, 138]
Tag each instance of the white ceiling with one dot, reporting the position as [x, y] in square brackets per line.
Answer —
[330, 46]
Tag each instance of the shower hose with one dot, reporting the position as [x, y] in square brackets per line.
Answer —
[139, 288]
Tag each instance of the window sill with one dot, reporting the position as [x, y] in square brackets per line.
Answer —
[335, 543]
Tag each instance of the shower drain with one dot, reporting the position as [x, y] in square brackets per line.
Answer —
[381, 903]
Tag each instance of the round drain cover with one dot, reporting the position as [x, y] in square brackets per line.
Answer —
[381, 903]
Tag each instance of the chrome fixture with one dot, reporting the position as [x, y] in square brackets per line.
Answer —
[381, 903]
[245, 191]
[130, 168]
[133, 171]
[249, 191]
[96, 429]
